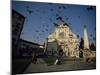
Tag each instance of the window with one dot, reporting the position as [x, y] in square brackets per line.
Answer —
[61, 34]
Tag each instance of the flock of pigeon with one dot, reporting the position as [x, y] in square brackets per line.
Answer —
[58, 17]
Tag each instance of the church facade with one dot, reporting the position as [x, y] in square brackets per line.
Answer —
[64, 38]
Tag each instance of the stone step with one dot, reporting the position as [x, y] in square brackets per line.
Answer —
[72, 59]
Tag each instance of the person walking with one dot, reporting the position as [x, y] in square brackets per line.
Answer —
[59, 57]
[34, 58]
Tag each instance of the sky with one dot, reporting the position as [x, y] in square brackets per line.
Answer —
[40, 19]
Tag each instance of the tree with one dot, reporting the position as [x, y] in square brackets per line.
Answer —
[81, 46]
[92, 46]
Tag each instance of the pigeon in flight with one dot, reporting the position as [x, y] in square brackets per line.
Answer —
[90, 8]
[79, 17]
[65, 24]
[51, 9]
[27, 7]
[46, 25]
[46, 29]
[55, 24]
[29, 11]
[63, 7]
[37, 31]
[42, 30]
[49, 3]
[59, 7]
[50, 19]
[59, 18]
[57, 15]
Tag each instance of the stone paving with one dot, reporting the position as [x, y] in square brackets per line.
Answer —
[69, 65]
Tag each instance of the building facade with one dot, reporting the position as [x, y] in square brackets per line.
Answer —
[63, 37]
[28, 48]
[17, 26]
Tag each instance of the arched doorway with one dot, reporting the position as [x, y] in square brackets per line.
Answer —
[81, 54]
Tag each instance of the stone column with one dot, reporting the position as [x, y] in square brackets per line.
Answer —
[86, 41]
